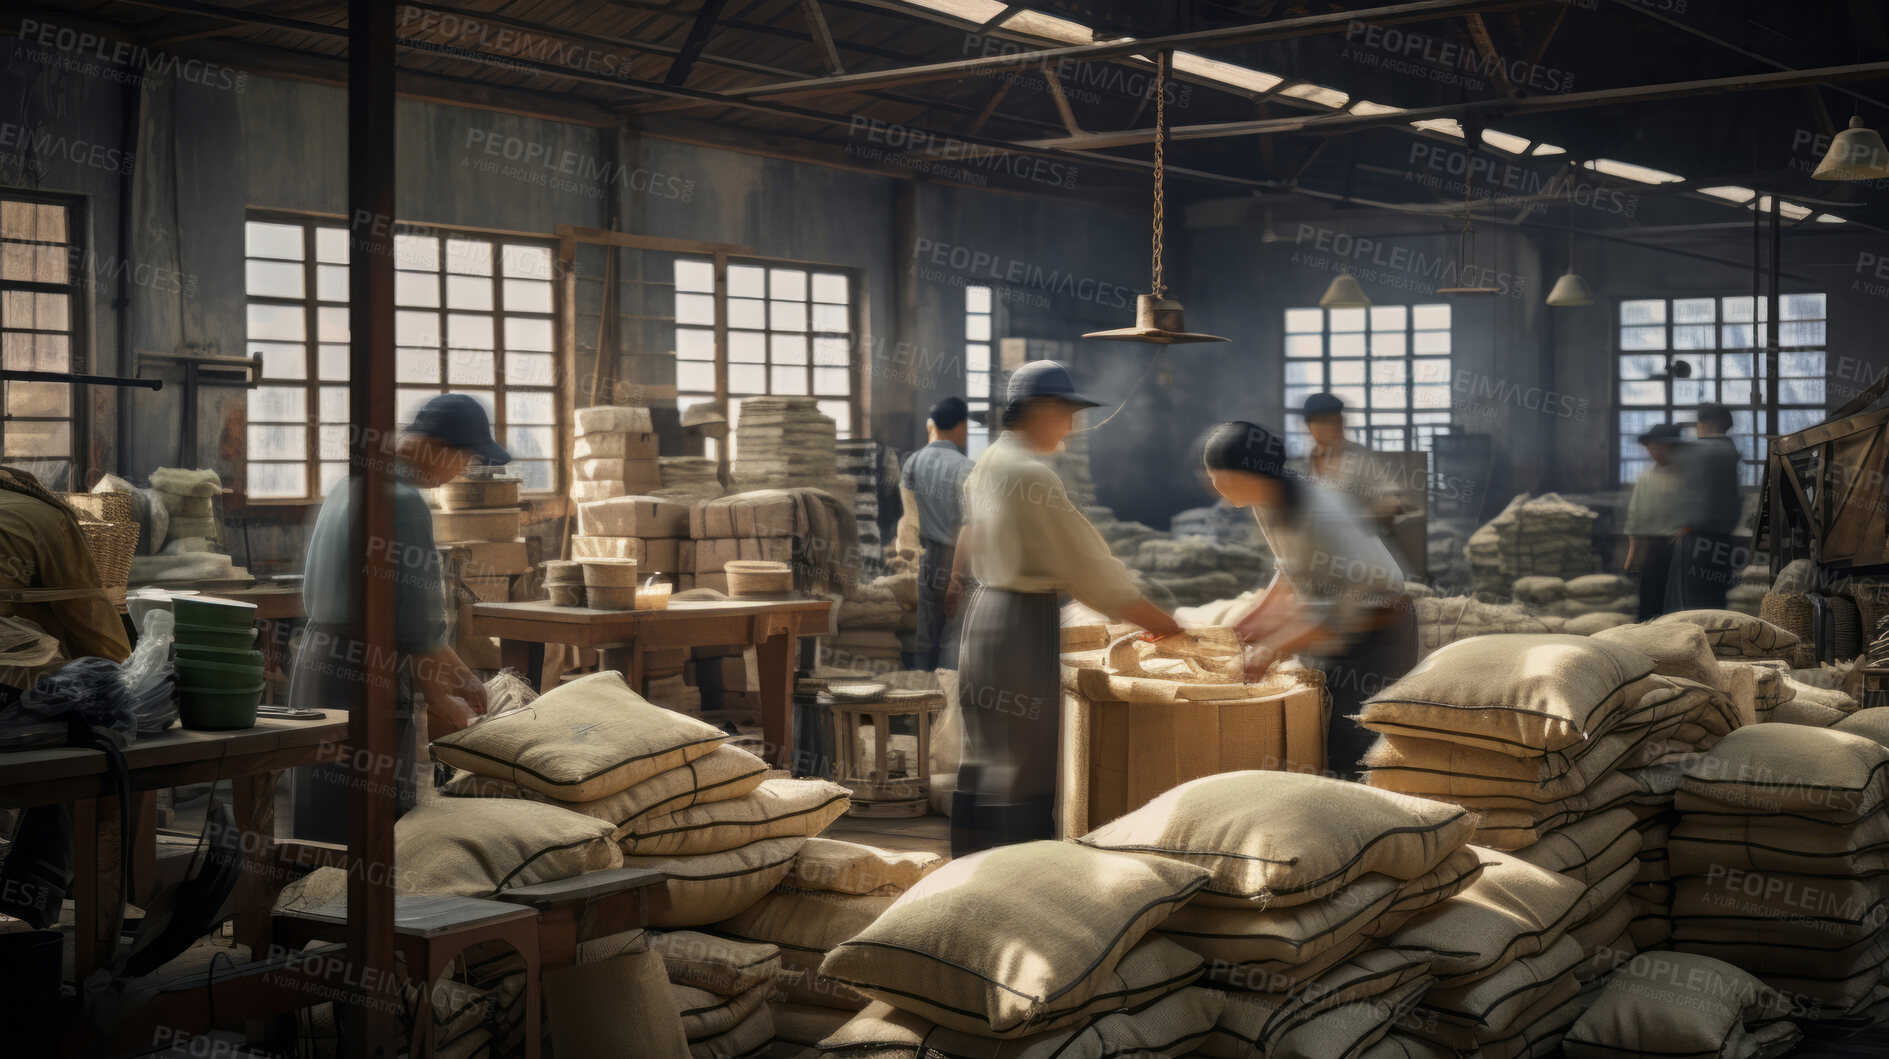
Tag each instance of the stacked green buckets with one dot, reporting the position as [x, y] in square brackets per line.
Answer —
[219, 671]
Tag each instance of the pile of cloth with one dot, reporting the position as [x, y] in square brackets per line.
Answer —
[1037, 949]
[1309, 875]
[1536, 732]
[835, 891]
[615, 454]
[1539, 536]
[784, 441]
[1778, 861]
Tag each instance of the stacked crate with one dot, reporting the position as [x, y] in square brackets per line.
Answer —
[615, 455]
[745, 526]
[728, 680]
[863, 460]
[650, 529]
[477, 532]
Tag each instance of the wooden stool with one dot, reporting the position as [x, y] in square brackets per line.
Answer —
[881, 790]
[430, 932]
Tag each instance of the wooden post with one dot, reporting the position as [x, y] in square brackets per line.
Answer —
[371, 1028]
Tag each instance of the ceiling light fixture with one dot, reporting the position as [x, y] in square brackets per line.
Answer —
[1158, 318]
[1344, 293]
[1857, 153]
[1466, 269]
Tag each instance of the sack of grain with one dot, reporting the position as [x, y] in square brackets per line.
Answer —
[1672, 1003]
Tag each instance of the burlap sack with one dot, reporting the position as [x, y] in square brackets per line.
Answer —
[805, 926]
[1539, 590]
[805, 1024]
[581, 741]
[710, 888]
[1454, 875]
[777, 808]
[1053, 919]
[1261, 936]
[1871, 723]
[1672, 1004]
[1286, 838]
[1492, 1005]
[1348, 1029]
[1512, 910]
[723, 773]
[619, 1006]
[1809, 714]
[1597, 622]
[832, 865]
[1537, 1031]
[717, 965]
[706, 1014]
[1735, 635]
[476, 849]
[1172, 1025]
[1588, 849]
[1520, 694]
[1254, 1022]
[1676, 652]
[749, 1037]
[1785, 768]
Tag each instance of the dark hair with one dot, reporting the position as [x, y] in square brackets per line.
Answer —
[1714, 414]
[1250, 449]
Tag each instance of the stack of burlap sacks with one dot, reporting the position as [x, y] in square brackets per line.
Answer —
[870, 620]
[1779, 864]
[1038, 949]
[749, 525]
[1583, 605]
[1194, 570]
[615, 454]
[1543, 536]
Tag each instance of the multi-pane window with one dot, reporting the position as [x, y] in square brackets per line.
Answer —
[1721, 343]
[1389, 364]
[39, 309]
[790, 334]
[474, 315]
[979, 333]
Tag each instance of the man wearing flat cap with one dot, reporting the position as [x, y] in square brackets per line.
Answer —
[1342, 464]
[934, 478]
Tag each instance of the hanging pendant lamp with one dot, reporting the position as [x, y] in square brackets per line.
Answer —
[1159, 319]
[1857, 153]
[1570, 291]
[1466, 251]
[1344, 293]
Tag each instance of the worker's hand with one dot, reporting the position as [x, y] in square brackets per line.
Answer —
[449, 715]
[1158, 622]
[1259, 660]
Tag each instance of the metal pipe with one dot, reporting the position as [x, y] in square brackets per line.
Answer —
[371, 1029]
[80, 379]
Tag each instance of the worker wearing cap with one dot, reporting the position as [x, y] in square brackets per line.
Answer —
[933, 484]
[448, 433]
[1025, 543]
[1656, 513]
[1342, 464]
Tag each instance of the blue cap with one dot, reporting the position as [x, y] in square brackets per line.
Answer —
[1322, 404]
[1046, 378]
[948, 413]
[461, 422]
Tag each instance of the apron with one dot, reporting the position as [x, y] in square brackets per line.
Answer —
[326, 672]
[1010, 701]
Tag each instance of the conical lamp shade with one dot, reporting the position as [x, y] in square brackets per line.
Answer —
[1856, 154]
[1344, 293]
[1570, 292]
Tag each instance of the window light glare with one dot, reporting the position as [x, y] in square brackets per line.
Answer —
[1543, 150]
[1365, 106]
[1232, 74]
[1831, 218]
[1731, 193]
[1049, 27]
[1311, 93]
[1505, 141]
[1446, 126]
[1630, 171]
[1787, 208]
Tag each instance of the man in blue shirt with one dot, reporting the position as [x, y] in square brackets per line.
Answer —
[935, 475]
[447, 434]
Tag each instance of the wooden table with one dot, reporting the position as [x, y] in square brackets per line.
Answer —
[251, 758]
[622, 636]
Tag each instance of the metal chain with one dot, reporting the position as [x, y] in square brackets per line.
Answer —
[1159, 288]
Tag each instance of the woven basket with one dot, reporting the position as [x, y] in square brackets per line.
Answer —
[1792, 612]
[758, 577]
[110, 526]
[1846, 642]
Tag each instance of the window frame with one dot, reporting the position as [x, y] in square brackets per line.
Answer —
[979, 437]
[1360, 422]
[857, 377]
[1670, 411]
[311, 222]
[78, 289]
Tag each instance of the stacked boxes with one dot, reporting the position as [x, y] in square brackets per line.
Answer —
[745, 526]
[665, 683]
[649, 529]
[615, 454]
